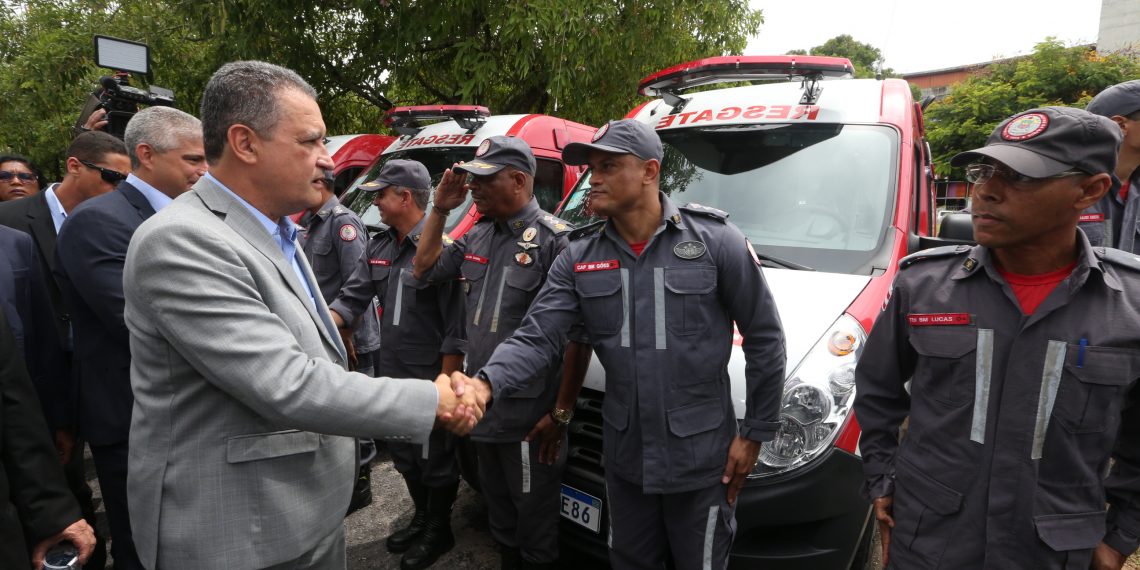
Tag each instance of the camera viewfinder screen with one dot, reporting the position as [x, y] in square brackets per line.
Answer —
[121, 55]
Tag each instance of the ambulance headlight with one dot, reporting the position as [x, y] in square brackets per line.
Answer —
[817, 399]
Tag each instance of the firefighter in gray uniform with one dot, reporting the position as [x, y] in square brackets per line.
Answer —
[1115, 220]
[658, 288]
[1024, 354]
[422, 330]
[334, 240]
[503, 261]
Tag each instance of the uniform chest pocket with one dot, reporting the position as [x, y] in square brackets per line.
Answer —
[690, 298]
[1098, 231]
[473, 273]
[379, 275]
[416, 292]
[1092, 387]
[603, 303]
[947, 365]
[521, 287]
[323, 258]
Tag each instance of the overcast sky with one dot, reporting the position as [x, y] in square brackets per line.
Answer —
[937, 34]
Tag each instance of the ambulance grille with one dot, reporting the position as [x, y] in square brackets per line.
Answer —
[584, 458]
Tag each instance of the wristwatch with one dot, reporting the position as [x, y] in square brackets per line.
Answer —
[561, 417]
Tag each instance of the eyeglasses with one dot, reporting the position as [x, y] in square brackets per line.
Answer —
[108, 175]
[980, 173]
[25, 176]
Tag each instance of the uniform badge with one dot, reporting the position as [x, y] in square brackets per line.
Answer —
[517, 224]
[483, 147]
[559, 227]
[970, 264]
[752, 252]
[416, 238]
[530, 233]
[676, 218]
[525, 245]
[601, 132]
[524, 259]
[347, 232]
[1025, 127]
[689, 249]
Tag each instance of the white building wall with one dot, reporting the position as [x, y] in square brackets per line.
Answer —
[1119, 26]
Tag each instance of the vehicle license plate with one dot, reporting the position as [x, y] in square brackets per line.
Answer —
[583, 509]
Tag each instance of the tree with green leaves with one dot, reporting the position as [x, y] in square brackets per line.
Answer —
[866, 58]
[579, 59]
[1053, 75]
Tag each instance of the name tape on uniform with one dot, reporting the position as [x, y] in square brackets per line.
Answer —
[475, 258]
[596, 266]
[933, 319]
[384, 262]
[1091, 218]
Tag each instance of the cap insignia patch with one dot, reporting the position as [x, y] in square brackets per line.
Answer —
[601, 132]
[483, 147]
[1025, 127]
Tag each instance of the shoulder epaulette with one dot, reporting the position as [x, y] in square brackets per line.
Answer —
[1118, 257]
[556, 225]
[937, 252]
[705, 210]
[338, 210]
[587, 230]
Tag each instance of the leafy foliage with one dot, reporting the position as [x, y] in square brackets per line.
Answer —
[866, 58]
[580, 59]
[1053, 75]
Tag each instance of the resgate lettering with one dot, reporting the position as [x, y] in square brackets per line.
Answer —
[754, 112]
[437, 139]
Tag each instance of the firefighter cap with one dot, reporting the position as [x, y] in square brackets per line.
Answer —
[400, 173]
[498, 152]
[1120, 99]
[1050, 140]
[627, 136]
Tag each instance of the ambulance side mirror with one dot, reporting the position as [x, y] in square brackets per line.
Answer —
[955, 229]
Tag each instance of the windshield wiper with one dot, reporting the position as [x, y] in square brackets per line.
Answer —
[777, 262]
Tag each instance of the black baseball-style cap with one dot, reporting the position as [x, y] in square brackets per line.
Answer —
[1120, 99]
[626, 136]
[401, 173]
[498, 152]
[1050, 140]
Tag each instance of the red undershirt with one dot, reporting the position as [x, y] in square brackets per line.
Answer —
[1031, 290]
[638, 247]
[1124, 191]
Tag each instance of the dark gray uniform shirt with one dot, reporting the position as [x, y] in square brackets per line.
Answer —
[420, 321]
[1012, 418]
[1113, 222]
[502, 266]
[662, 325]
[334, 240]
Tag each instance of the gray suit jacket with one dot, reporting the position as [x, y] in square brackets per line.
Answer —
[237, 458]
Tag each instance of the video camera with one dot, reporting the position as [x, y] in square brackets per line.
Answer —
[115, 93]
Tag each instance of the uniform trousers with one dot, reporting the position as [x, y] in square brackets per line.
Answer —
[696, 527]
[328, 554]
[111, 465]
[523, 496]
[435, 468]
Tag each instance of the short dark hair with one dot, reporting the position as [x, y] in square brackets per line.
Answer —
[27, 162]
[94, 146]
[245, 93]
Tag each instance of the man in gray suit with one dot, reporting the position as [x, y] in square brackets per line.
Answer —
[237, 451]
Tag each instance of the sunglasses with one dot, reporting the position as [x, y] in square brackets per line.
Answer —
[108, 175]
[25, 176]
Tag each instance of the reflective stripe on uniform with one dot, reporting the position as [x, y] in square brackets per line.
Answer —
[482, 294]
[982, 372]
[1050, 381]
[525, 447]
[499, 301]
[659, 306]
[425, 446]
[624, 307]
[399, 299]
[609, 519]
[710, 537]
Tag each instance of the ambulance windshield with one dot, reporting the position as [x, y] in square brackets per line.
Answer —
[436, 160]
[820, 195]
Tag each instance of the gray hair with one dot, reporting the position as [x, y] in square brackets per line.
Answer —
[420, 196]
[245, 93]
[162, 128]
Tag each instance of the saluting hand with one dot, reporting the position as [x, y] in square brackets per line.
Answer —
[742, 456]
[884, 509]
[451, 191]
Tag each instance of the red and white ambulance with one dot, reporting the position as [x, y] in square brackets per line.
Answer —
[351, 154]
[441, 135]
[829, 177]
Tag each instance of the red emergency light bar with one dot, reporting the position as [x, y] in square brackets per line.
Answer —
[743, 68]
[409, 120]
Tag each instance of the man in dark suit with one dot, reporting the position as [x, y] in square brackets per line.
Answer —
[96, 161]
[167, 158]
[35, 505]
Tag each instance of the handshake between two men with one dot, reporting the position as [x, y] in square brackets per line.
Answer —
[462, 402]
